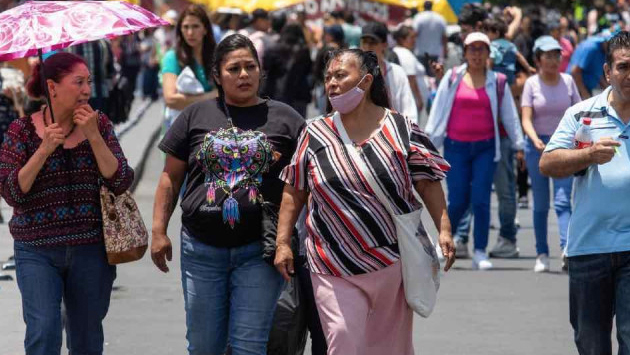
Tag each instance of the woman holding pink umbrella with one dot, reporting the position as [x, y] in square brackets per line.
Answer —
[51, 172]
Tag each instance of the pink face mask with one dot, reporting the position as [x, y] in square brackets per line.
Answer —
[349, 100]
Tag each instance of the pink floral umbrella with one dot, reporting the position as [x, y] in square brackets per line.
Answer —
[53, 25]
[42, 26]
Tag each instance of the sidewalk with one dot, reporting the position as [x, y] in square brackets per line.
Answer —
[136, 137]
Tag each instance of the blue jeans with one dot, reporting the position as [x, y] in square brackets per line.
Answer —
[78, 275]
[599, 289]
[505, 187]
[470, 182]
[230, 295]
[540, 189]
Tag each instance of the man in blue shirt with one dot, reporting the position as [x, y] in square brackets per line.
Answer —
[587, 64]
[598, 245]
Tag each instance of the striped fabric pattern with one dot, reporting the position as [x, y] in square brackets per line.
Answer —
[349, 231]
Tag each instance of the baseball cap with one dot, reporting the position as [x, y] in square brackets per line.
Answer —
[476, 37]
[375, 30]
[546, 44]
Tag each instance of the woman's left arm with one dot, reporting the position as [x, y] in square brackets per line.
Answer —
[433, 197]
[111, 161]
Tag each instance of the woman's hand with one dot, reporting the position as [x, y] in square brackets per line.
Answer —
[53, 137]
[87, 121]
[161, 250]
[448, 248]
[540, 145]
[284, 261]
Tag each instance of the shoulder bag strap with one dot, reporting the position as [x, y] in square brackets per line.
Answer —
[358, 160]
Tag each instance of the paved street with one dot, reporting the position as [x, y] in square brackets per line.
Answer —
[509, 310]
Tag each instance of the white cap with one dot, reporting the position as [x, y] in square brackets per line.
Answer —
[476, 37]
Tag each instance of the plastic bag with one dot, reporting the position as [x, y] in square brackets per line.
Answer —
[289, 331]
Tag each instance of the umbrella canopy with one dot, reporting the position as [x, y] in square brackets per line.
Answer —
[447, 8]
[52, 25]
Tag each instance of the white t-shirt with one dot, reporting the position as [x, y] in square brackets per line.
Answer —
[431, 28]
[412, 66]
[400, 94]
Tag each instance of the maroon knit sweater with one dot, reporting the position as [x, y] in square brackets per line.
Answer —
[63, 207]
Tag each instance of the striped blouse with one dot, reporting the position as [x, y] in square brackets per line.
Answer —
[349, 231]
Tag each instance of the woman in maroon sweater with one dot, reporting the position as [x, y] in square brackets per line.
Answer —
[50, 172]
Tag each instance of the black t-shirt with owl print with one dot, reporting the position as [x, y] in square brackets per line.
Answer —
[231, 167]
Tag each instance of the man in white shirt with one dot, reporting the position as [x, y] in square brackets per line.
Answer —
[431, 37]
[374, 38]
[405, 38]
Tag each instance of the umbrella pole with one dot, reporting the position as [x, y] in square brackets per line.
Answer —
[45, 85]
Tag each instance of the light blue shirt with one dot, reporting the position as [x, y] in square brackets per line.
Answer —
[601, 219]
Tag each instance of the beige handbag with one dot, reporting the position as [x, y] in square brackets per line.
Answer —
[126, 237]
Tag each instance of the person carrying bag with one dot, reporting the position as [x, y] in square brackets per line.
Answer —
[358, 167]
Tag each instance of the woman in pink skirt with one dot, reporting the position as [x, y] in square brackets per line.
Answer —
[352, 247]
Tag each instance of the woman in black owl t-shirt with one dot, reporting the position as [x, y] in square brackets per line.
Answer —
[232, 150]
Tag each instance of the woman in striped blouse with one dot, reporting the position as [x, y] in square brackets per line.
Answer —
[351, 246]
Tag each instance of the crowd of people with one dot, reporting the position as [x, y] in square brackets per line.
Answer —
[492, 104]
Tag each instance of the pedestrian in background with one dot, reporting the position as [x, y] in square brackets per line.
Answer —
[598, 244]
[288, 68]
[257, 32]
[466, 116]
[405, 38]
[546, 97]
[557, 32]
[503, 53]
[352, 244]
[431, 38]
[51, 173]
[374, 38]
[587, 64]
[194, 49]
[333, 39]
[232, 149]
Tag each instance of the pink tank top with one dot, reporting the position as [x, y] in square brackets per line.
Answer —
[471, 115]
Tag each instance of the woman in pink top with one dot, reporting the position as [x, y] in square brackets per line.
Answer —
[470, 147]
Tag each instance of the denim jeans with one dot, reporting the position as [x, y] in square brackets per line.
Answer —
[470, 182]
[78, 275]
[540, 189]
[599, 289]
[505, 187]
[230, 295]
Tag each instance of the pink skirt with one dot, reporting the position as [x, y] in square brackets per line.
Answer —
[365, 314]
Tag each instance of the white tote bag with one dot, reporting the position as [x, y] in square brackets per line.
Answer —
[186, 83]
[420, 265]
